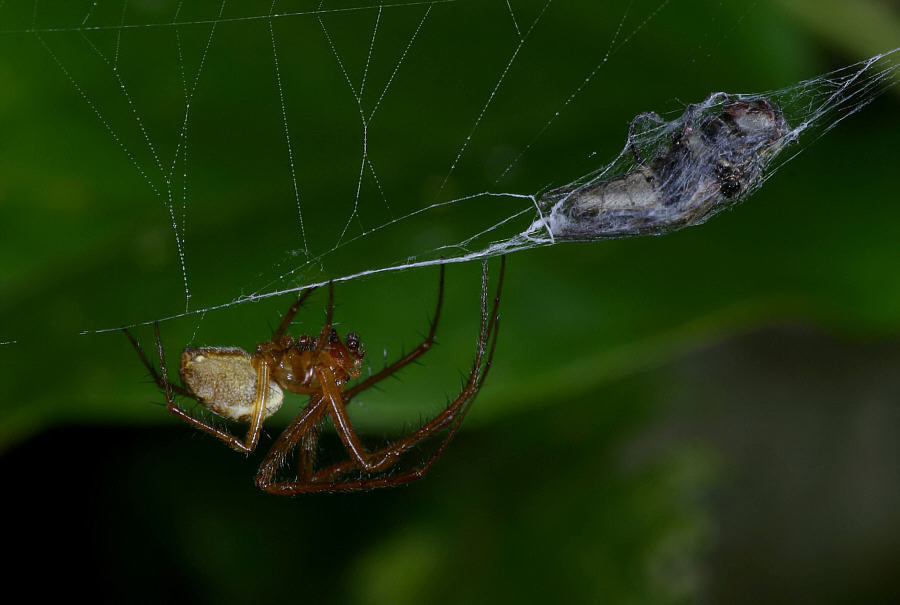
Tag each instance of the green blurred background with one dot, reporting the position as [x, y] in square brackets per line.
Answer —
[707, 416]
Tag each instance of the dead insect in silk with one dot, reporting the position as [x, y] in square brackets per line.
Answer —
[716, 155]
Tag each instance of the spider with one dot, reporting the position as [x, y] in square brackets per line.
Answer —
[246, 387]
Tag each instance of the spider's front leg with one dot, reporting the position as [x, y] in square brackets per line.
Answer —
[420, 350]
[289, 315]
[452, 415]
[331, 479]
[368, 462]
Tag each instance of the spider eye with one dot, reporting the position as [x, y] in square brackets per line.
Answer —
[333, 337]
[352, 341]
[302, 343]
[354, 344]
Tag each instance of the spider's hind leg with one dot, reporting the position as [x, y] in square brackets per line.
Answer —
[162, 380]
[157, 378]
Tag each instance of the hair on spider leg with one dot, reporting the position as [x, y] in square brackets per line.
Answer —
[239, 386]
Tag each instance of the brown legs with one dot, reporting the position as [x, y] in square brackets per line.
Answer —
[372, 466]
[248, 444]
[162, 380]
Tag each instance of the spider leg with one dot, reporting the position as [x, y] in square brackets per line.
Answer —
[153, 373]
[420, 350]
[289, 316]
[162, 380]
[338, 410]
[306, 459]
[328, 479]
[305, 423]
[371, 462]
[652, 116]
[325, 334]
[259, 407]
[303, 431]
[454, 412]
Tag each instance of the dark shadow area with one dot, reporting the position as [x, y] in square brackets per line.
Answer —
[763, 469]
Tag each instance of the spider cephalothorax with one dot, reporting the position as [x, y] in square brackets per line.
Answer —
[303, 364]
[246, 387]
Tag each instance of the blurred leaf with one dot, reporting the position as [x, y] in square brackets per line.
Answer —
[87, 245]
[863, 28]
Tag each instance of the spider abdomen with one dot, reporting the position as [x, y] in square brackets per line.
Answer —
[224, 381]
